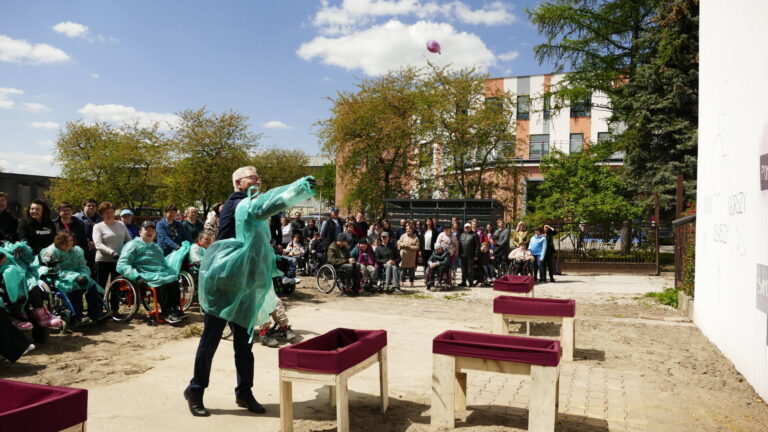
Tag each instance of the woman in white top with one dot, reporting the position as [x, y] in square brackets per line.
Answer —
[109, 237]
[286, 231]
[428, 238]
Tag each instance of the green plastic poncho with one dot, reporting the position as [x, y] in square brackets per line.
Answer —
[18, 272]
[139, 259]
[71, 265]
[14, 278]
[175, 259]
[236, 274]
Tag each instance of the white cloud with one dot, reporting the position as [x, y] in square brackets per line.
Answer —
[25, 163]
[5, 96]
[71, 29]
[114, 113]
[382, 48]
[35, 107]
[44, 125]
[95, 75]
[351, 15]
[326, 78]
[508, 56]
[275, 124]
[21, 51]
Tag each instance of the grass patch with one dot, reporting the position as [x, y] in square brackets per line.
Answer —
[456, 296]
[418, 296]
[667, 297]
[192, 331]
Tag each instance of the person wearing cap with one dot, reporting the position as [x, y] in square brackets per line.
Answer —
[331, 228]
[342, 261]
[143, 262]
[364, 256]
[439, 263]
[469, 250]
[170, 232]
[388, 260]
[109, 236]
[126, 217]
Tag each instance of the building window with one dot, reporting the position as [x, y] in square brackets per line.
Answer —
[603, 136]
[581, 107]
[494, 103]
[539, 147]
[547, 106]
[523, 107]
[577, 143]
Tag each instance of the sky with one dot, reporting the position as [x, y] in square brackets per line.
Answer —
[277, 62]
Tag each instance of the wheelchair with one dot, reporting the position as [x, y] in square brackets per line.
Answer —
[328, 278]
[58, 302]
[442, 284]
[188, 286]
[126, 295]
[525, 270]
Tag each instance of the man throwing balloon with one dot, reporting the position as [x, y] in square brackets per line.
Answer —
[235, 282]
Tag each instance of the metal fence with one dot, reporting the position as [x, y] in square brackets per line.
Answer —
[685, 235]
[610, 243]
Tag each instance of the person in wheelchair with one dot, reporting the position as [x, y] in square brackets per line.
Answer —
[143, 263]
[345, 265]
[522, 259]
[72, 276]
[316, 252]
[439, 266]
[197, 251]
[294, 252]
[364, 255]
[485, 264]
[388, 259]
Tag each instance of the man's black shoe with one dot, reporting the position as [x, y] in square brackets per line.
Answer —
[252, 404]
[195, 404]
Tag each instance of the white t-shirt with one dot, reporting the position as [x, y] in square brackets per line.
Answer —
[287, 231]
[428, 240]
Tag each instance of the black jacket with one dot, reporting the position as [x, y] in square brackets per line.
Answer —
[227, 216]
[297, 227]
[501, 238]
[77, 227]
[328, 231]
[38, 235]
[8, 226]
[423, 244]
[308, 233]
[469, 245]
[387, 252]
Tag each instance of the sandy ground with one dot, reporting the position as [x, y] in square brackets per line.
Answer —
[642, 365]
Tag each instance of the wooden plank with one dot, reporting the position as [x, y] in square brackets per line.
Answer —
[534, 318]
[443, 388]
[461, 391]
[464, 364]
[80, 427]
[542, 411]
[499, 324]
[383, 380]
[360, 366]
[332, 395]
[342, 404]
[568, 338]
[286, 406]
[308, 377]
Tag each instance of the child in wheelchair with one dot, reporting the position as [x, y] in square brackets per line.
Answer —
[438, 273]
[365, 257]
[485, 269]
[294, 252]
[522, 260]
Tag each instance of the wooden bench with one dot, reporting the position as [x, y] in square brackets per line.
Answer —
[515, 285]
[331, 359]
[457, 352]
[538, 310]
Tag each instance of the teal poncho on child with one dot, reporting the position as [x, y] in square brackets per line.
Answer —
[70, 265]
[146, 260]
[236, 274]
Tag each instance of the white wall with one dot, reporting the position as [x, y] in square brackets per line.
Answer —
[731, 296]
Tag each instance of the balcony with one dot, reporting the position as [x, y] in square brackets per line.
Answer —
[538, 149]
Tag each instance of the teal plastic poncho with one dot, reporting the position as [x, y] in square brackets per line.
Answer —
[175, 259]
[146, 260]
[19, 272]
[236, 274]
[70, 265]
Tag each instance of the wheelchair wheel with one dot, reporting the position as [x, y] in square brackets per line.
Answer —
[326, 279]
[123, 293]
[187, 289]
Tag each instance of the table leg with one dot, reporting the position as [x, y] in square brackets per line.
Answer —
[286, 406]
[461, 391]
[383, 380]
[568, 338]
[500, 324]
[443, 390]
[542, 411]
[332, 395]
[342, 404]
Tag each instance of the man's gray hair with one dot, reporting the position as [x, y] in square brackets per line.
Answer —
[240, 173]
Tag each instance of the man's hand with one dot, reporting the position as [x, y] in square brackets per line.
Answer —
[351, 260]
[392, 262]
[91, 245]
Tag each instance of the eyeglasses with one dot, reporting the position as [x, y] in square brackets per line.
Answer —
[252, 177]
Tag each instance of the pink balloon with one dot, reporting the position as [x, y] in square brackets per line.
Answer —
[433, 46]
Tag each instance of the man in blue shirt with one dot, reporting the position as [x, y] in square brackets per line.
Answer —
[170, 232]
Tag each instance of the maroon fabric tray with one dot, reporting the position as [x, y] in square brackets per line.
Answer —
[497, 347]
[518, 284]
[534, 306]
[40, 408]
[322, 354]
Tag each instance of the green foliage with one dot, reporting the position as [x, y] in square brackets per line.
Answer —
[277, 167]
[326, 189]
[667, 297]
[659, 106]
[580, 188]
[475, 131]
[374, 134]
[689, 264]
[120, 164]
[206, 148]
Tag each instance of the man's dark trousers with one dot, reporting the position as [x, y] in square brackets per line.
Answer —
[209, 341]
[467, 270]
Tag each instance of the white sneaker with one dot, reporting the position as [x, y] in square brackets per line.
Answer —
[296, 281]
[29, 348]
[287, 281]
